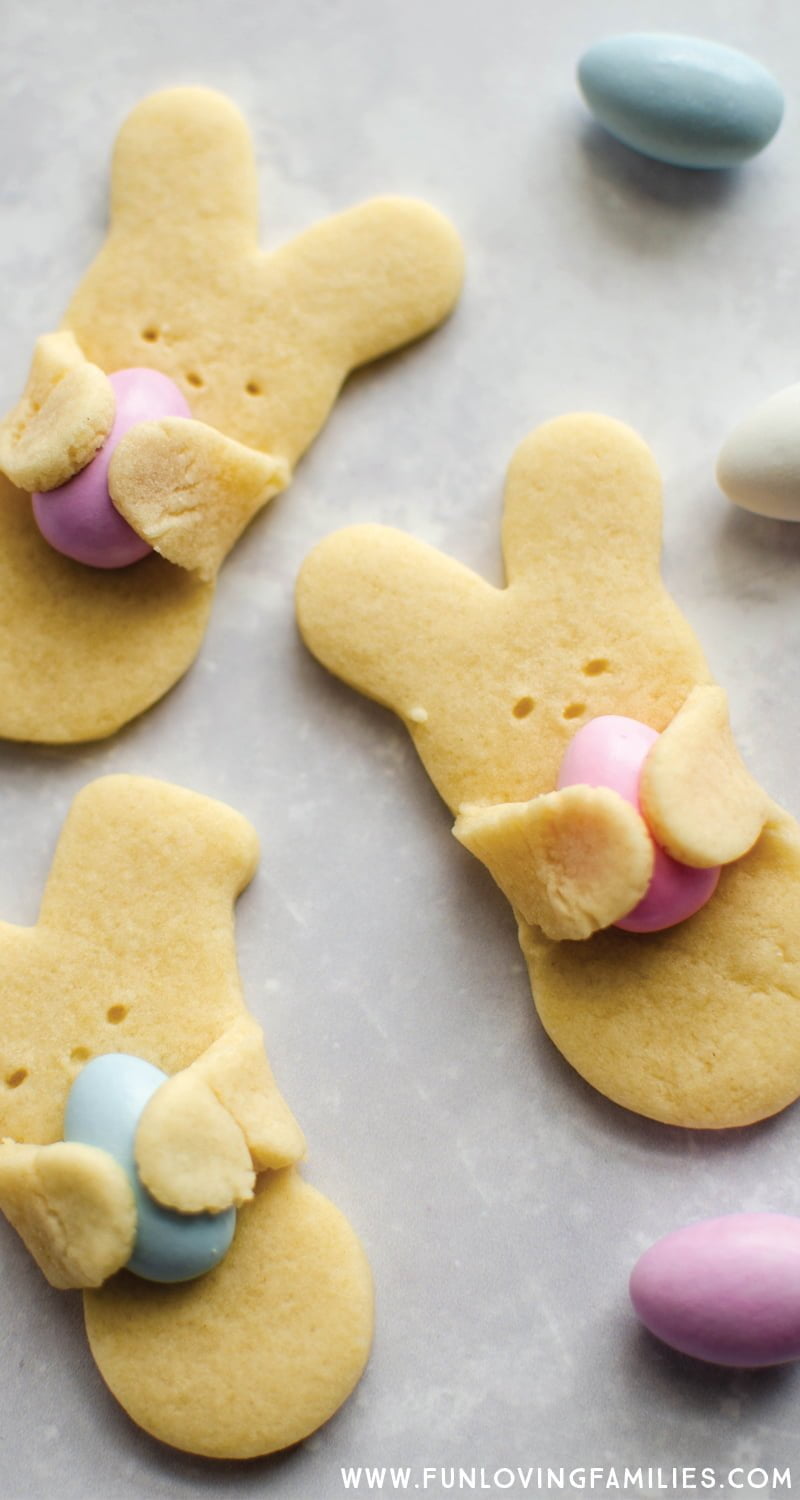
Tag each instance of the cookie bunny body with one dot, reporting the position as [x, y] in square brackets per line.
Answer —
[698, 1025]
[134, 953]
[259, 344]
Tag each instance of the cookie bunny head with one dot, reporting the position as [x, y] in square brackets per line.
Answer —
[259, 343]
[138, 904]
[494, 683]
[259, 346]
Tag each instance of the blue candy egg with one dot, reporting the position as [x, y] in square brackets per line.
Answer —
[680, 99]
[103, 1109]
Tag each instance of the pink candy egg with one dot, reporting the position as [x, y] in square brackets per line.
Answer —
[611, 751]
[726, 1290]
[79, 518]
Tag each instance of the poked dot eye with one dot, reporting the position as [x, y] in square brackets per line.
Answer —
[150, 334]
[116, 1013]
[254, 388]
[523, 707]
[13, 1080]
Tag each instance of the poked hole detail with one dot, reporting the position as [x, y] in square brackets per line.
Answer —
[116, 1013]
[13, 1080]
[596, 666]
[574, 710]
[523, 707]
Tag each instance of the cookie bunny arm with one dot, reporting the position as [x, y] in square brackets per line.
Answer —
[235, 1067]
[209, 1129]
[700, 800]
[570, 862]
[73, 1207]
[63, 417]
[190, 491]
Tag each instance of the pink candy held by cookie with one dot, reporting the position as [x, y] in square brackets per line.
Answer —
[725, 1290]
[79, 518]
[611, 751]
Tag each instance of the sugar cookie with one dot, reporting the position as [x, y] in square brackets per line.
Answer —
[258, 344]
[698, 1025]
[134, 953]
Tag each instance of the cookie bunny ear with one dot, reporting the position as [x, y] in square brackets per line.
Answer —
[374, 277]
[582, 489]
[381, 610]
[183, 161]
[129, 849]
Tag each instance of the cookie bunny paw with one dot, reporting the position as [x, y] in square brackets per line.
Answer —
[698, 796]
[190, 491]
[73, 1207]
[64, 417]
[190, 1153]
[208, 1130]
[570, 862]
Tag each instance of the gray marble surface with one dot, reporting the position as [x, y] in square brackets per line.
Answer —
[501, 1201]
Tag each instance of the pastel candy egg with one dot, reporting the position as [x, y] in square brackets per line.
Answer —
[80, 518]
[103, 1110]
[759, 463]
[725, 1290]
[610, 751]
[680, 99]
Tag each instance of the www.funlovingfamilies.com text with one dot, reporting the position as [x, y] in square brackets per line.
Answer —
[644, 1480]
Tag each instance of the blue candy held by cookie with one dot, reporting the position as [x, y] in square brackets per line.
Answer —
[680, 99]
[104, 1107]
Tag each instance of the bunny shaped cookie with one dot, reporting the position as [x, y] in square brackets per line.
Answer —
[698, 1025]
[258, 344]
[133, 953]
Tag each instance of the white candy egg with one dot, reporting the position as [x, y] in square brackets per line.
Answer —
[759, 464]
